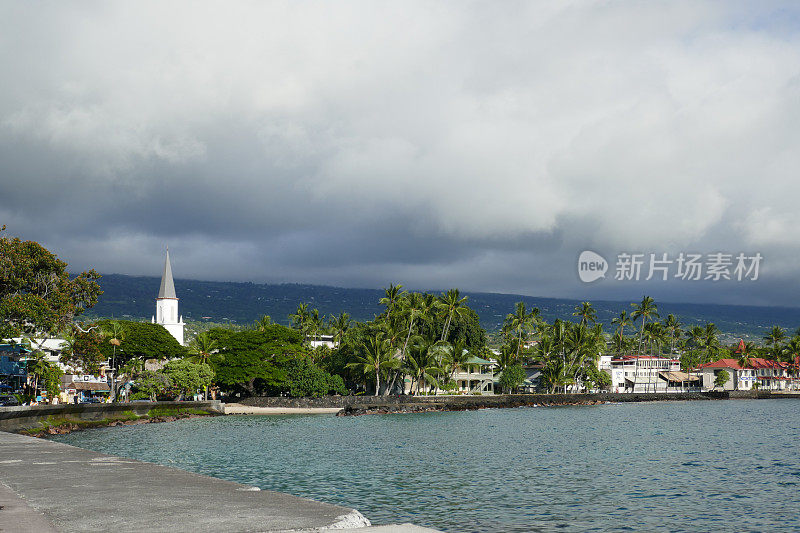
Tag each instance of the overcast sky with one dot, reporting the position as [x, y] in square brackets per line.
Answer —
[481, 145]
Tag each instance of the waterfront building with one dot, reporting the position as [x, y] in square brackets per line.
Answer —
[760, 373]
[475, 376]
[167, 305]
[647, 373]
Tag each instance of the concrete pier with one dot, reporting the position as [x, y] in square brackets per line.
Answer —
[49, 486]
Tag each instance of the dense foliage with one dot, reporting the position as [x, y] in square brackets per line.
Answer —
[37, 295]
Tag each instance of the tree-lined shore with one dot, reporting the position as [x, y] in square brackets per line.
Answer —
[415, 345]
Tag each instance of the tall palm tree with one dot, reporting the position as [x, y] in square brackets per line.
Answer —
[392, 296]
[673, 330]
[710, 341]
[300, 319]
[586, 312]
[201, 349]
[521, 322]
[373, 357]
[774, 340]
[315, 323]
[644, 310]
[453, 304]
[340, 325]
[115, 334]
[621, 321]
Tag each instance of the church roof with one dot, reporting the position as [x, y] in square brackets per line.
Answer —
[167, 289]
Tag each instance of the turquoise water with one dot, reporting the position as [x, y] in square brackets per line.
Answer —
[671, 466]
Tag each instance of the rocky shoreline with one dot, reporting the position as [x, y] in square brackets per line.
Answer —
[358, 410]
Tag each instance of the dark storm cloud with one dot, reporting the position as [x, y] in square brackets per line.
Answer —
[437, 144]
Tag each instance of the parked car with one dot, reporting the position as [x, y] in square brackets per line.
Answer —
[8, 401]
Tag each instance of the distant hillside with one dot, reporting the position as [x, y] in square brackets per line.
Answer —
[241, 303]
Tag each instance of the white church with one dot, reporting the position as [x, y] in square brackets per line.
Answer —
[167, 305]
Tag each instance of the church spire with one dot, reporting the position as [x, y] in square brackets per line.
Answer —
[167, 289]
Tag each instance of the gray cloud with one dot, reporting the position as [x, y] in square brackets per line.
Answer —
[439, 144]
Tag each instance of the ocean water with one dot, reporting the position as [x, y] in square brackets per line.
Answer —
[672, 466]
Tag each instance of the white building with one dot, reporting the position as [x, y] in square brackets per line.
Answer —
[167, 305]
[647, 373]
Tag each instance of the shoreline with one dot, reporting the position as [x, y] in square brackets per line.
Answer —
[241, 409]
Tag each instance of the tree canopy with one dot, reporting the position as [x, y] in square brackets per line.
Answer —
[37, 295]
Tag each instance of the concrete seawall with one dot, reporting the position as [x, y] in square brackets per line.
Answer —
[45, 483]
[499, 400]
[17, 419]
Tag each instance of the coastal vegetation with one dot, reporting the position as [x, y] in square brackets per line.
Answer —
[416, 343]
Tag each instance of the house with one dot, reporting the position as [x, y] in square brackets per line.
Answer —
[315, 341]
[760, 373]
[647, 373]
[740, 378]
[475, 376]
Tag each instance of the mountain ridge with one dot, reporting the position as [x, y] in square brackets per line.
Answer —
[242, 302]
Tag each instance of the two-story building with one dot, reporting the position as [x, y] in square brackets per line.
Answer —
[647, 373]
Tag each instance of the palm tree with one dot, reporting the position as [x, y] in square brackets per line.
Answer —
[412, 305]
[644, 310]
[775, 339]
[521, 322]
[315, 323]
[453, 305]
[201, 349]
[710, 341]
[586, 312]
[392, 297]
[673, 329]
[115, 334]
[300, 319]
[621, 321]
[340, 325]
[262, 323]
[373, 357]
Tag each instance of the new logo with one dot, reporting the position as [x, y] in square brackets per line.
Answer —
[591, 266]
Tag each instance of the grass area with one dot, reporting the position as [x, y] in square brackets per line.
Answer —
[60, 422]
[175, 411]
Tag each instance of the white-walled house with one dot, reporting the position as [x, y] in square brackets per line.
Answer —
[768, 375]
[647, 373]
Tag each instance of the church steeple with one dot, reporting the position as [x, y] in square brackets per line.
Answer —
[167, 289]
[167, 304]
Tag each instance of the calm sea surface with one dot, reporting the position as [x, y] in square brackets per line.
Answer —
[672, 466]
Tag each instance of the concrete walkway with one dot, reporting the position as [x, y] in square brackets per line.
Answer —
[49, 486]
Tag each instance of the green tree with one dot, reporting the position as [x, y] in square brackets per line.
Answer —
[37, 295]
[373, 358]
[511, 378]
[250, 362]
[187, 377]
[453, 304]
[142, 341]
[84, 351]
[586, 312]
[262, 323]
[722, 378]
[151, 384]
[203, 346]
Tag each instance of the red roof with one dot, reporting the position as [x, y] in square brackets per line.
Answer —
[722, 363]
[741, 348]
[754, 363]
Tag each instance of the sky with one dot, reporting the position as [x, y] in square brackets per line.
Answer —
[479, 145]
